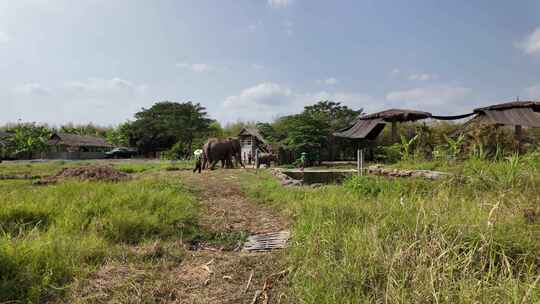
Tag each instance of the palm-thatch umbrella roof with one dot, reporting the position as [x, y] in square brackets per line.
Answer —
[370, 126]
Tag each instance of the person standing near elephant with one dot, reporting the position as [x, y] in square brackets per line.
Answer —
[198, 161]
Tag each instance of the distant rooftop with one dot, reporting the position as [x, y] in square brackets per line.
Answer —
[75, 140]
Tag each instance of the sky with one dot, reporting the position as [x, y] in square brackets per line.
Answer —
[101, 61]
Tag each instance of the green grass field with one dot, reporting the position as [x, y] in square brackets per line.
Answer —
[50, 235]
[473, 238]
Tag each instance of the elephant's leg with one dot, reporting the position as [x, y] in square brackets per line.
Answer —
[213, 166]
[238, 159]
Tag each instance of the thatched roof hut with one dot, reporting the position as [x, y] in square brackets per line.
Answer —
[74, 142]
[516, 113]
[368, 127]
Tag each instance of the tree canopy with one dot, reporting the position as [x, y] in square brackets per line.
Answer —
[166, 123]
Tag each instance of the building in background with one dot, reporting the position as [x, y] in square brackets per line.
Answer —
[251, 141]
[72, 146]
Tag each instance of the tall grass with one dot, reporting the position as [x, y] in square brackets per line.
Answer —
[51, 234]
[375, 240]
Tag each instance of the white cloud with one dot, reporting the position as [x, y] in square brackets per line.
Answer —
[268, 100]
[279, 3]
[253, 27]
[266, 94]
[100, 85]
[288, 26]
[4, 37]
[331, 81]
[98, 100]
[423, 77]
[33, 89]
[531, 44]
[353, 100]
[257, 66]
[328, 81]
[439, 99]
[395, 72]
[196, 67]
[533, 92]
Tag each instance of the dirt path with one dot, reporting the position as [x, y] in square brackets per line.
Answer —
[227, 208]
[197, 276]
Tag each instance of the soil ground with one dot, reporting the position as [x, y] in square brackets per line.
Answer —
[207, 275]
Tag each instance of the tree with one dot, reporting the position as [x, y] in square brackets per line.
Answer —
[214, 131]
[233, 128]
[268, 131]
[119, 136]
[29, 138]
[88, 129]
[306, 132]
[311, 131]
[167, 123]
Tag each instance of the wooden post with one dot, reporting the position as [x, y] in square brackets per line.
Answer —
[358, 162]
[394, 131]
[362, 162]
[257, 160]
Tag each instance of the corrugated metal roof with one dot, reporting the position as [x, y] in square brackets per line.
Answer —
[363, 129]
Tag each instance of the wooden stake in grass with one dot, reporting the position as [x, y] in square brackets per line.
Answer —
[249, 280]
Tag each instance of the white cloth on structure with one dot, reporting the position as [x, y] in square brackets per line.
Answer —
[198, 153]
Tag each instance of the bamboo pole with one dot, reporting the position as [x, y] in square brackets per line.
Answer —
[362, 162]
[358, 162]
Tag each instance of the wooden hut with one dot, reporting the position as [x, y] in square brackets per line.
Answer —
[518, 114]
[72, 146]
[251, 141]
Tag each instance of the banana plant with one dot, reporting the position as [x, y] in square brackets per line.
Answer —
[454, 146]
[406, 145]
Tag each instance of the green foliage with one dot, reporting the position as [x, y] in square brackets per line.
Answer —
[29, 138]
[167, 123]
[311, 131]
[306, 132]
[406, 146]
[178, 151]
[119, 136]
[88, 129]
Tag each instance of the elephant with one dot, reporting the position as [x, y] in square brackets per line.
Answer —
[221, 150]
[265, 158]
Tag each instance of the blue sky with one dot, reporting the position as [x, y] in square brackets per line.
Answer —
[101, 61]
